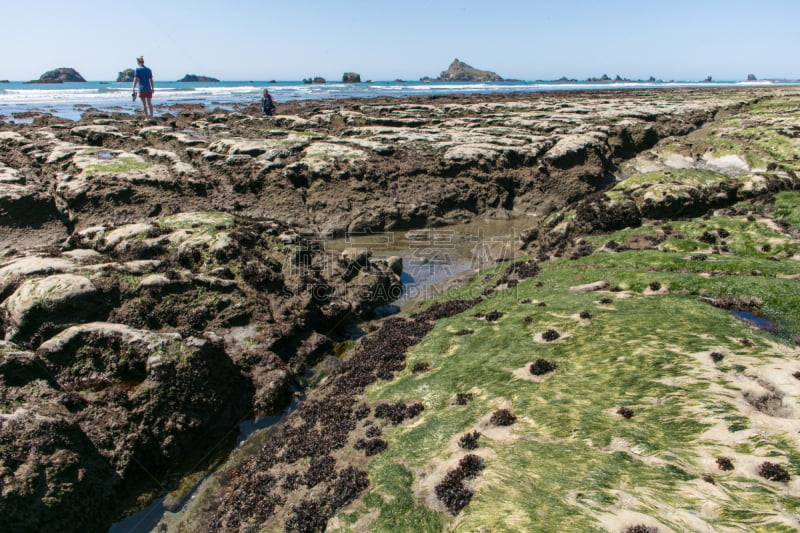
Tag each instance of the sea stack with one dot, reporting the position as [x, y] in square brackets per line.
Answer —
[193, 78]
[60, 75]
[125, 76]
[351, 77]
[460, 71]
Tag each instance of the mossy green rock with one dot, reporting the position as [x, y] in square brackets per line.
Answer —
[570, 462]
[655, 336]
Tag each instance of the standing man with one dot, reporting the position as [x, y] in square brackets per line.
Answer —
[144, 76]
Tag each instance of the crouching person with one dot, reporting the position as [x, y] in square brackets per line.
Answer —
[267, 104]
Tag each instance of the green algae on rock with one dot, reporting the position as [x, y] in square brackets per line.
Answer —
[649, 353]
[572, 461]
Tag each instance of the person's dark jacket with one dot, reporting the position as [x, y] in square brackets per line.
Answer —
[267, 105]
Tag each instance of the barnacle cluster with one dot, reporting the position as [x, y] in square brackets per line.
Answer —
[541, 367]
[724, 463]
[452, 490]
[550, 335]
[502, 417]
[469, 441]
[773, 471]
[625, 412]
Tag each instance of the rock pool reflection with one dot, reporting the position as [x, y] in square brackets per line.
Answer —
[433, 256]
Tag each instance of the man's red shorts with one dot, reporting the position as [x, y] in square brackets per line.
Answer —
[145, 94]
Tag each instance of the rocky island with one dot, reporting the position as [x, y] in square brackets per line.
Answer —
[628, 360]
[351, 77]
[460, 71]
[125, 76]
[193, 78]
[60, 75]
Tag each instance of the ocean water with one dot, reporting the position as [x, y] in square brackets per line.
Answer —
[69, 100]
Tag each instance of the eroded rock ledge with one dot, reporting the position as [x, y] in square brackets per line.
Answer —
[380, 165]
[131, 351]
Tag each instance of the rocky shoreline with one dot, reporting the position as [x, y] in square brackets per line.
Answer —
[334, 167]
[162, 281]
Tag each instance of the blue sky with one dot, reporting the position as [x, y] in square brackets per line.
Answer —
[384, 40]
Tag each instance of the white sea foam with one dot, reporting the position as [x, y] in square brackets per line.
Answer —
[449, 87]
[43, 96]
[61, 99]
[229, 90]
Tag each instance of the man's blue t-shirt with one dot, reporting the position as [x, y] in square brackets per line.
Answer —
[144, 75]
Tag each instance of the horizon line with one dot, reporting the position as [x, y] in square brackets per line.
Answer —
[427, 79]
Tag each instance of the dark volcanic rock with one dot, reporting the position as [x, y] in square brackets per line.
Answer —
[351, 77]
[603, 78]
[193, 78]
[185, 343]
[60, 75]
[460, 71]
[126, 76]
[132, 410]
[54, 477]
